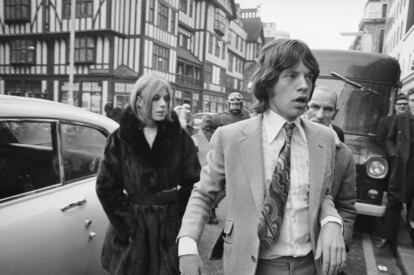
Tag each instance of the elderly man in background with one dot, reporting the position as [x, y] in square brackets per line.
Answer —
[322, 109]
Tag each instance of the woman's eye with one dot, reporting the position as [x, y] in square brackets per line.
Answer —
[167, 98]
[156, 98]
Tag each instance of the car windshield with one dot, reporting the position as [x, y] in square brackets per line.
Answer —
[359, 110]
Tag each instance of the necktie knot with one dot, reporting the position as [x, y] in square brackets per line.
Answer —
[289, 129]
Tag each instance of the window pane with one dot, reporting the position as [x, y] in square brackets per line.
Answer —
[28, 157]
[82, 150]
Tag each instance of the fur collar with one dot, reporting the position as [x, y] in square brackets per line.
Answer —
[131, 132]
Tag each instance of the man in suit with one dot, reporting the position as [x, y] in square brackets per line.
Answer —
[394, 137]
[322, 109]
[305, 235]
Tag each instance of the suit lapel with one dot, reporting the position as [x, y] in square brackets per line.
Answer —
[316, 166]
[251, 150]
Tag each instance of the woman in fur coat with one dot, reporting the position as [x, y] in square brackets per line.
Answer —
[144, 181]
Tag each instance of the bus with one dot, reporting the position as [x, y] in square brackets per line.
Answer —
[366, 85]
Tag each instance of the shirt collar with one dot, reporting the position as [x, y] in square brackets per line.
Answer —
[273, 123]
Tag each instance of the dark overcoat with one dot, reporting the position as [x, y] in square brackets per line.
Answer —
[141, 236]
[394, 134]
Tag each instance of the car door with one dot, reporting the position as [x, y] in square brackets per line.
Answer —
[47, 222]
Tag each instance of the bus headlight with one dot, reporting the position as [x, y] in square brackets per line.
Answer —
[377, 168]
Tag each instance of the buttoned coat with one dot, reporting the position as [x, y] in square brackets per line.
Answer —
[236, 164]
[343, 189]
[394, 136]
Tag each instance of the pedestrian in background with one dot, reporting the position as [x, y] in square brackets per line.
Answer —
[322, 109]
[145, 178]
[234, 113]
[277, 172]
[396, 136]
[111, 112]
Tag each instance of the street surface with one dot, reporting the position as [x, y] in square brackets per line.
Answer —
[363, 258]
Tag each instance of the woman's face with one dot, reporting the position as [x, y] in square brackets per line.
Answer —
[159, 105]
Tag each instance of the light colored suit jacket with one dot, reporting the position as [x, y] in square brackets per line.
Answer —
[235, 164]
[343, 189]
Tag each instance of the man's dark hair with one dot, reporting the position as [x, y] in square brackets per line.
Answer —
[410, 92]
[275, 57]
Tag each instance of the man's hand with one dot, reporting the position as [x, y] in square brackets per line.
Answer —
[331, 247]
[191, 265]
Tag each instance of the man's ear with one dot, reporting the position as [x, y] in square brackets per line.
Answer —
[336, 111]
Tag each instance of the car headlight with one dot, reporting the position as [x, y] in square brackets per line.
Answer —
[377, 168]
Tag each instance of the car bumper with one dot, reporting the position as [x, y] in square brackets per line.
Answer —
[370, 209]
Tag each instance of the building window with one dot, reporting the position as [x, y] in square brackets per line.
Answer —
[160, 58]
[162, 16]
[92, 96]
[26, 88]
[84, 50]
[381, 41]
[183, 5]
[230, 64]
[173, 15]
[191, 8]
[210, 44]
[209, 73]
[217, 50]
[83, 8]
[22, 51]
[384, 10]
[122, 94]
[151, 11]
[219, 22]
[17, 11]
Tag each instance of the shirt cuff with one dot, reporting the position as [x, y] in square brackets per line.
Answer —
[332, 219]
[187, 246]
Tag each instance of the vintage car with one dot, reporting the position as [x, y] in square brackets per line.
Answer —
[51, 219]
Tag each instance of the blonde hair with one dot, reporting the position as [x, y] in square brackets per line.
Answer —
[145, 88]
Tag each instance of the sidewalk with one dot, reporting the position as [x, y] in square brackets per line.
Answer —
[405, 251]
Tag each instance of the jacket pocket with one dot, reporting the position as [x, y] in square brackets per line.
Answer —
[227, 231]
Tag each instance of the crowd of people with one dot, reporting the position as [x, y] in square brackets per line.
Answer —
[287, 176]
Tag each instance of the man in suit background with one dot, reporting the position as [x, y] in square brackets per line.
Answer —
[322, 109]
[306, 236]
[394, 137]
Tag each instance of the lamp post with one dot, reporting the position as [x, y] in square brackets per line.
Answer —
[71, 50]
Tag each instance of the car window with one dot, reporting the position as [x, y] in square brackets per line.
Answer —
[82, 150]
[28, 157]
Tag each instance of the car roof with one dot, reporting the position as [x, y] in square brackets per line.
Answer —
[26, 107]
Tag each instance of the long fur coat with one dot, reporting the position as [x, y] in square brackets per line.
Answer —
[141, 238]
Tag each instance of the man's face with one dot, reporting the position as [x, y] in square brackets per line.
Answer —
[401, 106]
[290, 95]
[322, 107]
[411, 103]
[235, 107]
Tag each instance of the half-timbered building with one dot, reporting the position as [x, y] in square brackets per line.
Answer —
[115, 42]
[198, 45]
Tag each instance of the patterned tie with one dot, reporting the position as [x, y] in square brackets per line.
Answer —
[273, 210]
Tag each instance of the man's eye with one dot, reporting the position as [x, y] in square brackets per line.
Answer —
[309, 76]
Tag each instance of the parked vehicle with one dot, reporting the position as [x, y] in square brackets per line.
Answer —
[51, 219]
[366, 84]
